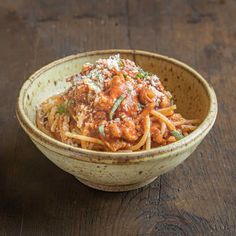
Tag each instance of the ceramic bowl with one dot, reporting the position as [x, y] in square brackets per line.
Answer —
[119, 171]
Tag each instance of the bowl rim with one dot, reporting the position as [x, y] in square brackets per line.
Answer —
[115, 157]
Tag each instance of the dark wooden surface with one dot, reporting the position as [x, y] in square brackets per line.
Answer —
[197, 198]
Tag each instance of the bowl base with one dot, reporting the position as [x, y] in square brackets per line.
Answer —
[115, 188]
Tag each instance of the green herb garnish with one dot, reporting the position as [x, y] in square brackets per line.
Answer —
[61, 109]
[101, 129]
[140, 75]
[177, 134]
[116, 105]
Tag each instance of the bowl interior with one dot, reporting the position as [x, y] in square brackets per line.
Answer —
[189, 93]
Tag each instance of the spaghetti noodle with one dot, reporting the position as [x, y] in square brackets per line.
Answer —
[113, 105]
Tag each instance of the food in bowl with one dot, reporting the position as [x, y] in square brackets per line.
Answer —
[119, 171]
[113, 105]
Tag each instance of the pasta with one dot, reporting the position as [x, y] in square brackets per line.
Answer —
[84, 138]
[144, 137]
[113, 105]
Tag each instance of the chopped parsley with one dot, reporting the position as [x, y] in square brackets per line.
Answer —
[61, 109]
[177, 134]
[101, 129]
[116, 105]
[140, 75]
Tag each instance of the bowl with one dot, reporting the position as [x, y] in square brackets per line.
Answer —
[120, 171]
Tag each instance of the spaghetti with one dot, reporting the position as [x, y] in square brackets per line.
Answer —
[113, 105]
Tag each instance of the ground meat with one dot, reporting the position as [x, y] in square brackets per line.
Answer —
[104, 103]
[156, 135]
[165, 102]
[146, 96]
[114, 130]
[110, 102]
[117, 86]
[80, 93]
[100, 115]
[117, 144]
[129, 131]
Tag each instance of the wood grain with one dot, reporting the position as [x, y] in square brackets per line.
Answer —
[197, 198]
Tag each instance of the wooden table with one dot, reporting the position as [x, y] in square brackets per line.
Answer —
[197, 198]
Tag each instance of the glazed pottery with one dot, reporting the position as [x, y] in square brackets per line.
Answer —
[119, 171]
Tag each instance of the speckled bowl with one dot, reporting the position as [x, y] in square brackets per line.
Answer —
[119, 171]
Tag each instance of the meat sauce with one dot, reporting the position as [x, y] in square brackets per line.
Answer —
[109, 102]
